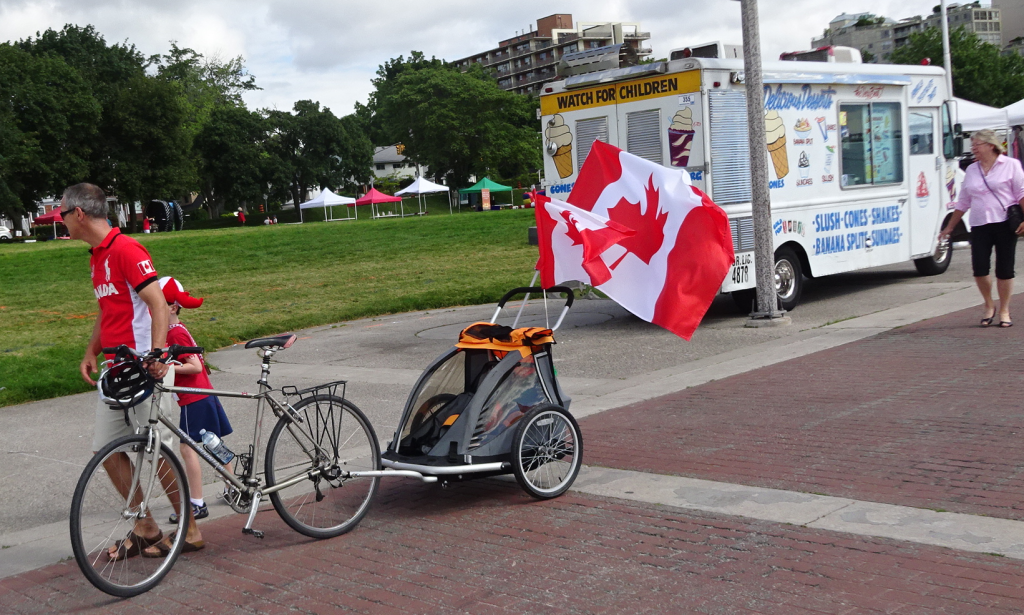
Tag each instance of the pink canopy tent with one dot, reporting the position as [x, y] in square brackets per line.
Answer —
[374, 197]
[53, 218]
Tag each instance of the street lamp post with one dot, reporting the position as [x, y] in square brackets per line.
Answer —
[767, 311]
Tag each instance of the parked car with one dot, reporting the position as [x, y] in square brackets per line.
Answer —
[6, 234]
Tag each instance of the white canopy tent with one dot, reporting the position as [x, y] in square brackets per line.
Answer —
[974, 117]
[424, 186]
[1015, 113]
[328, 199]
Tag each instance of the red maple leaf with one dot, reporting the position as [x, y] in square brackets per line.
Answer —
[649, 225]
[572, 233]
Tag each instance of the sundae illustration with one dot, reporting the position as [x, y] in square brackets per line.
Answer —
[680, 137]
[775, 137]
[559, 145]
[922, 191]
[830, 153]
[823, 127]
[804, 165]
[802, 125]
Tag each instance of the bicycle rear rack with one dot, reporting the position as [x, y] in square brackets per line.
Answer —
[331, 388]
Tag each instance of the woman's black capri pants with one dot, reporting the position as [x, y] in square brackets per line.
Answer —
[983, 239]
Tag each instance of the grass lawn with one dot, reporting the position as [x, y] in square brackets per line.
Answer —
[258, 281]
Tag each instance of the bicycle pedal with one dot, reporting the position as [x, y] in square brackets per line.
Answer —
[252, 532]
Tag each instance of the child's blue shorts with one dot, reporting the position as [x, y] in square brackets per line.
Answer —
[208, 414]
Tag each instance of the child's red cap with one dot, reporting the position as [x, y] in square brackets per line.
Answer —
[175, 293]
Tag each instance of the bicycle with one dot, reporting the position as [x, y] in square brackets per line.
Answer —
[321, 471]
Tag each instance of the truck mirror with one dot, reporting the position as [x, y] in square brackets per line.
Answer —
[958, 144]
[958, 129]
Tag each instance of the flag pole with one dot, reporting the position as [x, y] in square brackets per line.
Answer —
[767, 311]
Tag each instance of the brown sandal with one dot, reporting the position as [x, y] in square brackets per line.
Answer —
[163, 547]
[138, 543]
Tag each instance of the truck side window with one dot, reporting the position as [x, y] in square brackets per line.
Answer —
[922, 132]
[872, 144]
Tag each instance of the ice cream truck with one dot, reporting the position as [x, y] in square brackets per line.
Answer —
[861, 157]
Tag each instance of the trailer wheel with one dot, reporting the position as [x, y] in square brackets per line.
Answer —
[938, 262]
[547, 451]
[789, 278]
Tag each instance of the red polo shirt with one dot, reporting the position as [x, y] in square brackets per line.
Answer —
[121, 268]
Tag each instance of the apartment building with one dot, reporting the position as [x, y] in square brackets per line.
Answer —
[878, 37]
[982, 20]
[1011, 16]
[523, 63]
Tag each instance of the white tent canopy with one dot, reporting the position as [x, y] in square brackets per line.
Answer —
[424, 186]
[974, 117]
[1015, 113]
[328, 199]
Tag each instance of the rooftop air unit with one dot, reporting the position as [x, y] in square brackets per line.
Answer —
[824, 54]
[600, 58]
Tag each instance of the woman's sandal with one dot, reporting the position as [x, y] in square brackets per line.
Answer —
[1005, 324]
[986, 321]
[138, 544]
[163, 547]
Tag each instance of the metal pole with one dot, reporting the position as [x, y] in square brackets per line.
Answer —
[760, 199]
[947, 61]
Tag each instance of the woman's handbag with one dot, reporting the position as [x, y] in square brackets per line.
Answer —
[1014, 213]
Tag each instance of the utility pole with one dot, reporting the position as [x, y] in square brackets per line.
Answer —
[767, 312]
[947, 62]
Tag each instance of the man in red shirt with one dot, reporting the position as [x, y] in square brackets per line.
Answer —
[132, 311]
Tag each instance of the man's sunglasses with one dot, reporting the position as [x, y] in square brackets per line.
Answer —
[65, 212]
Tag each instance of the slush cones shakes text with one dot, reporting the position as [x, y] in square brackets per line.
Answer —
[680, 137]
[775, 136]
[560, 145]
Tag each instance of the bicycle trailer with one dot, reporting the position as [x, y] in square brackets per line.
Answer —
[491, 405]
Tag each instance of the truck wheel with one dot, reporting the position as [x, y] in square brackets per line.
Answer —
[789, 278]
[938, 262]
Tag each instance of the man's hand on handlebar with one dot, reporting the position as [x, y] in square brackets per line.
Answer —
[155, 364]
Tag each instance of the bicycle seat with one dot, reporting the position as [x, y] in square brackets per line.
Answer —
[280, 341]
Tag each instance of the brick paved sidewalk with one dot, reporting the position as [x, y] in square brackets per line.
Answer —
[927, 415]
[485, 547]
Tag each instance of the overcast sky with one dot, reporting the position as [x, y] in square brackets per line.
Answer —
[328, 50]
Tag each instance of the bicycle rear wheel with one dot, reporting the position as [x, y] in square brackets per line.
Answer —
[333, 439]
[101, 515]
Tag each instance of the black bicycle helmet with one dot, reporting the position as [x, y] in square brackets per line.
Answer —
[125, 384]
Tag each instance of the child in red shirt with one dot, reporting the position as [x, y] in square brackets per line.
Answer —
[198, 412]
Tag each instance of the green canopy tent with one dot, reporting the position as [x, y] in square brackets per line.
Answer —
[487, 184]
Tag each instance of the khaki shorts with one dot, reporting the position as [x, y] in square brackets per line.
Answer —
[110, 423]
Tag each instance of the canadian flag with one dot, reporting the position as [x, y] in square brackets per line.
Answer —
[668, 270]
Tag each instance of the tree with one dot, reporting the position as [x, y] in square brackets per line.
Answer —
[313, 147]
[49, 121]
[980, 74]
[230, 150]
[458, 124]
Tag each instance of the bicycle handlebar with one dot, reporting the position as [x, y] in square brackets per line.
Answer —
[172, 352]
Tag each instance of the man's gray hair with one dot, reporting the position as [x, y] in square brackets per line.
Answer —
[90, 198]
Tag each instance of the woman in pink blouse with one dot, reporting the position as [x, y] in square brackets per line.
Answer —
[991, 185]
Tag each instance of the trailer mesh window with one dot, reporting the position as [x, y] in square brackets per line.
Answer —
[588, 131]
[742, 230]
[730, 148]
[643, 134]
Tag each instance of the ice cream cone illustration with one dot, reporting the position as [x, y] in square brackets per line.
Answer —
[804, 165]
[922, 193]
[560, 145]
[951, 182]
[680, 137]
[775, 136]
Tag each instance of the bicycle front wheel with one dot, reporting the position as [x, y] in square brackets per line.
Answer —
[316, 457]
[125, 488]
